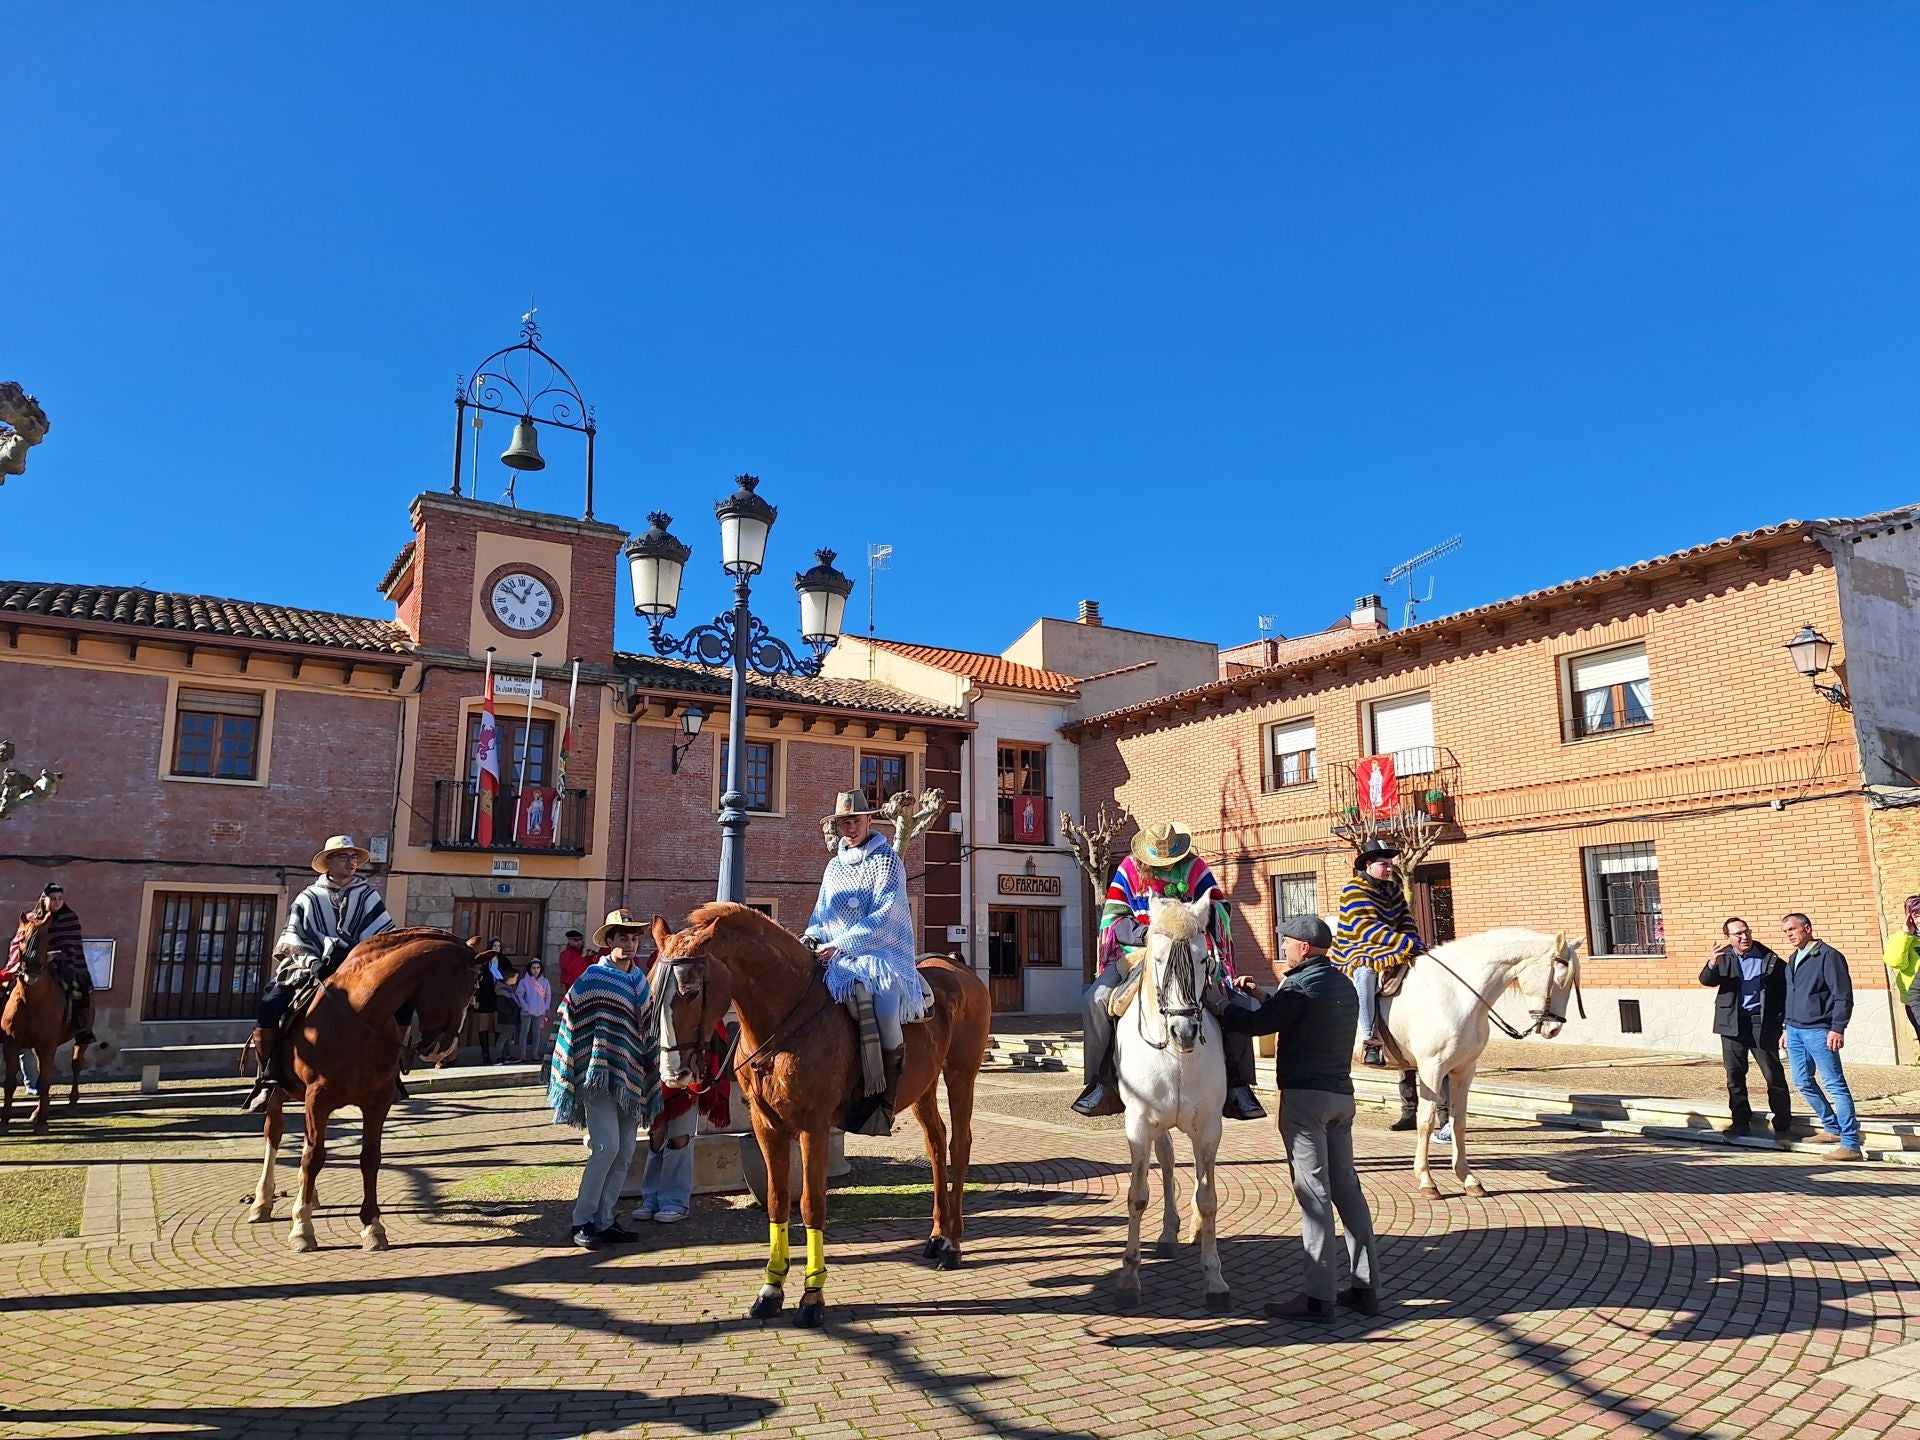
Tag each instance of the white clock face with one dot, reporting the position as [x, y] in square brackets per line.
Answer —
[521, 602]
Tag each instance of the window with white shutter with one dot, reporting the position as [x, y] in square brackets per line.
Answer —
[1402, 727]
[1609, 691]
[1292, 757]
[1623, 900]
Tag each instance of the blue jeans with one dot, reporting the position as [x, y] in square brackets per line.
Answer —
[1808, 1056]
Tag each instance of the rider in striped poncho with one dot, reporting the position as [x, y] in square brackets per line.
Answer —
[324, 923]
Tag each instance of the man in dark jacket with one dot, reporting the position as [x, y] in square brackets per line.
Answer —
[1819, 1005]
[1747, 1016]
[1316, 1014]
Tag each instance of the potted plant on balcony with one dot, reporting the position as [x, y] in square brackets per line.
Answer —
[1435, 804]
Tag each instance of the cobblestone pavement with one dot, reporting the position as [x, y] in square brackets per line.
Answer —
[1605, 1287]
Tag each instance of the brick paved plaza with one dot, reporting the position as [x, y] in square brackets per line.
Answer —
[1608, 1286]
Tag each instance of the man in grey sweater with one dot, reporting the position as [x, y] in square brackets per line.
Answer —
[1316, 1015]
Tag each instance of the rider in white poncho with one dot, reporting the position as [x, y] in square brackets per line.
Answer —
[862, 929]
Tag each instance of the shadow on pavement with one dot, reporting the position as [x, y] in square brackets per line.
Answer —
[499, 1414]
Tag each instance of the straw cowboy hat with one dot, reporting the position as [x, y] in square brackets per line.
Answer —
[849, 803]
[338, 844]
[1158, 846]
[617, 920]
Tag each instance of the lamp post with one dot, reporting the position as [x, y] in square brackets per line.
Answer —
[1812, 653]
[736, 638]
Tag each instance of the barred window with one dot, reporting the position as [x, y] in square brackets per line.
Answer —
[208, 956]
[1623, 900]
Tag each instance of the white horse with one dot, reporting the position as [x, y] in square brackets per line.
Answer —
[1440, 1020]
[1173, 1076]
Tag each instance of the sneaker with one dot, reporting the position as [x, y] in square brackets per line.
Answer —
[1444, 1135]
[1370, 1054]
[1367, 1302]
[1823, 1137]
[1300, 1307]
[586, 1237]
[1405, 1122]
[670, 1215]
[1782, 1140]
[645, 1210]
[616, 1234]
[1842, 1152]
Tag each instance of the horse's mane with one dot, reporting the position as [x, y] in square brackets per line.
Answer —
[1175, 920]
[377, 949]
[719, 916]
[1510, 943]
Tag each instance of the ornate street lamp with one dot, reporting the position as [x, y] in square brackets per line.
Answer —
[540, 393]
[1811, 653]
[736, 638]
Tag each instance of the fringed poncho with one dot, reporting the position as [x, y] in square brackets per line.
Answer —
[863, 914]
[604, 1046]
[1376, 928]
[1134, 889]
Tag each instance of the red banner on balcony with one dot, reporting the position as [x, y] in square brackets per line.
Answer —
[537, 815]
[1377, 788]
[1029, 820]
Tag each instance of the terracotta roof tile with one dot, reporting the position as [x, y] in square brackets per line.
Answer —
[987, 669]
[201, 615]
[1786, 529]
[685, 677]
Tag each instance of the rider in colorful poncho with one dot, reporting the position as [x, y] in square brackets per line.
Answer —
[862, 930]
[1377, 933]
[1162, 865]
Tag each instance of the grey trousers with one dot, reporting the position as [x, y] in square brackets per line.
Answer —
[611, 1137]
[1317, 1126]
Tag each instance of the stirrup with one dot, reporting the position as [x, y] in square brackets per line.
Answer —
[256, 1101]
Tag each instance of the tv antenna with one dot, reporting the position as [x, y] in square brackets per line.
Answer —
[877, 557]
[1404, 571]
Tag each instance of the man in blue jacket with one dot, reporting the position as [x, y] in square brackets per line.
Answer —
[1819, 1005]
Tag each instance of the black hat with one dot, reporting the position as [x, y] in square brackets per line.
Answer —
[1373, 850]
[575, 935]
[53, 887]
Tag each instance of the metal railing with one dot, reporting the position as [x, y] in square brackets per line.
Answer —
[1426, 784]
[455, 807]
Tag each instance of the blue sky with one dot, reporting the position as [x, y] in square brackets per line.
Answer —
[1201, 310]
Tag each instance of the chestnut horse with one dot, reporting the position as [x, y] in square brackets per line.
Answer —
[346, 1051]
[34, 1016]
[799, 1065]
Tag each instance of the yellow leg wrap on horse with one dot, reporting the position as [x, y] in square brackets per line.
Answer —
[816, 1259]
[777, 1252]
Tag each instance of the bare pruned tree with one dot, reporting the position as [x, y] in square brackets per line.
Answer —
[911, 816]
[1096, 845]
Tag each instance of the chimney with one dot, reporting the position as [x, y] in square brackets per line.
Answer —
[1090, 612]
[1369, 613]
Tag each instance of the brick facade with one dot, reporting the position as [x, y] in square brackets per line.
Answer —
[1746, 784]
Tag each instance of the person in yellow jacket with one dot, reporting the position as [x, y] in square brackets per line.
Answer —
[1902, 957]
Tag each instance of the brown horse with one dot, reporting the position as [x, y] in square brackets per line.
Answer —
[346, 1051]
[799, 1064]
[34, 1016]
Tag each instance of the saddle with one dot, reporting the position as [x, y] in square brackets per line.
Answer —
[1390, 1051]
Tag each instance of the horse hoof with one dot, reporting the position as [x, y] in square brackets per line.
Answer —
[1475, 1189]
[1219, 1301]
[767, 1306]
[1429, 1192]
[374, 1237]
[302, 1241]
[936, 1247]
[259, 1214]
[1128, 1298]
[949, 1259]
[811, 1315]
[1166, 1250]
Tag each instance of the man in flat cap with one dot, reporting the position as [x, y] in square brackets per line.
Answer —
[1316, 1014]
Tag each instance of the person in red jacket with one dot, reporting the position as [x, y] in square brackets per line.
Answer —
[575, 957]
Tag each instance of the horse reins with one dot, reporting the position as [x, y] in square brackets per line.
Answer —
[1540, 1016]
[1183, 949]
[754, 1059]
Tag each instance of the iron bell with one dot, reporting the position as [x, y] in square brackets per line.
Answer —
[524, 452]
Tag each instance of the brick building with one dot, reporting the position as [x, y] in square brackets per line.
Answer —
[1628, 757]
[208, 745]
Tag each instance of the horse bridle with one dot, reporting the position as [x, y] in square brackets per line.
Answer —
[1180, 951]
[727, 1063]
[1539, 1017]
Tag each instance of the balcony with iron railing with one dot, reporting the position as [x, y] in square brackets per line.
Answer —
[1413, 794]
[554, 822]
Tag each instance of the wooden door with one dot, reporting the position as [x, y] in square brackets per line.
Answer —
[1004, 983]
[1433, 903]
[519, 925]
